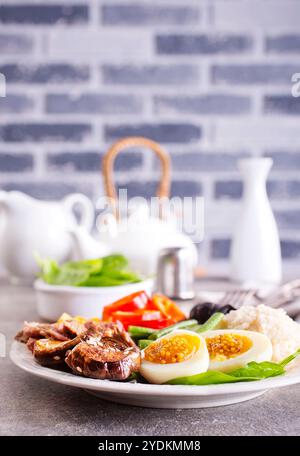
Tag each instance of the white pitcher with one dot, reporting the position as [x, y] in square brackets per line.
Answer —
[255, 253]
[30, 225]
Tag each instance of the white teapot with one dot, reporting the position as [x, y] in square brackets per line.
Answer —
[48, 228]
[140, 237]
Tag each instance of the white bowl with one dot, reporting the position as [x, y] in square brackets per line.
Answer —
[53, 300]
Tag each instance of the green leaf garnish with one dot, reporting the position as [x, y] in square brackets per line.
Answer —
[252, 371]
[100, 272]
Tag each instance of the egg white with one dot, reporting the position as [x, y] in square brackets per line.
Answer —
[161, 373]
[261, 350]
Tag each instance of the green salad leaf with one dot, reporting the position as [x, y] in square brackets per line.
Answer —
[114, 263]
[252, 371]
[100, 272]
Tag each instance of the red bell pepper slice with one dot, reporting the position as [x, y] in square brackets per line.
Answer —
[166, 306]
[146, 318]
[130, 303]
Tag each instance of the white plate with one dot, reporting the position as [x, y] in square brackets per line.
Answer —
[157, 396]
[88, 302]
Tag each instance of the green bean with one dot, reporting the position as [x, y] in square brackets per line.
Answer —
[168, 329]
[211, 323]
[193, 327]
[138, 332]
[143, 343]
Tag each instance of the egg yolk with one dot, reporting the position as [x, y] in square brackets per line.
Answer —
[173, 349]
[226, 346]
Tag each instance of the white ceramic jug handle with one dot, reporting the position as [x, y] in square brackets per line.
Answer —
[86, 207]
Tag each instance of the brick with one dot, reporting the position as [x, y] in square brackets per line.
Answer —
[137, 14]
[147, 189]
[264, 131]
[41, 74]
[129, 160]
[13, 43]
[186, 188]
[228, 189]
[206, 104]
[43, 14]
[290, 249]
[103, 43]
[263, 15]
[284, 160]
[220, 249]
[253, 73]
[205, 161]
[283, 43]
[164, 132]
[94, 103]
[150, 74]
[281, 104]
[16, 103]
[277, 189]
[43, 132]
[202, 44]
[288, 219]
[12, 163]
[48, 190]
[90, 161]
[284, 189]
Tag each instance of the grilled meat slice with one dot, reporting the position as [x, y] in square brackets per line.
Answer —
[63, 329]
[49, 352]
[105, 352]
[35, 330]
[73, 328]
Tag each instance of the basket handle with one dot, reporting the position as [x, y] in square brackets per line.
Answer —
[163, 189]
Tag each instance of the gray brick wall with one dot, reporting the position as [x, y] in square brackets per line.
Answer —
[210, 79]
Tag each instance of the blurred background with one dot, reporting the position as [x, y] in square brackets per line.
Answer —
[209, 79]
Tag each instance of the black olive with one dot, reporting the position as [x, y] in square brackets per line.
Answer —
[202, 311]
[226, 309]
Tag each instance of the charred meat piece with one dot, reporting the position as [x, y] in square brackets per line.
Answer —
[105, 352]
[30, 343]
[73, 328]
[40, 331]
[63, 329]
[49, 352]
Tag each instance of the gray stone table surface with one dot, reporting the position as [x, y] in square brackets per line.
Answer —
[33, 406]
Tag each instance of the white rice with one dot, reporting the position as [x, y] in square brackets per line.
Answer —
[283, 332]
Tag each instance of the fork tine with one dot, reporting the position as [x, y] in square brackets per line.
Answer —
[229, 297]
[236, 298]
[242, 298]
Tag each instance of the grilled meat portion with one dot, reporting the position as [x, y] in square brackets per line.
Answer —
[105, 352]
[73, 328]
[40, 331]
[90, 348]
[49, 352]
[62, 330]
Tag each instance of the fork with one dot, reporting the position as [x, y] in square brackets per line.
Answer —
[236, 298]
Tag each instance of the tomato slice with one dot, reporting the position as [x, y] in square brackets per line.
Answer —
[129, 303]
[167, 307]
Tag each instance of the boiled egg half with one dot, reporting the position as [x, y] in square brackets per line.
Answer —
[179, 354]
[230, 349]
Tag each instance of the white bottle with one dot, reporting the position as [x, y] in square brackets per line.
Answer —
[255, 253]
